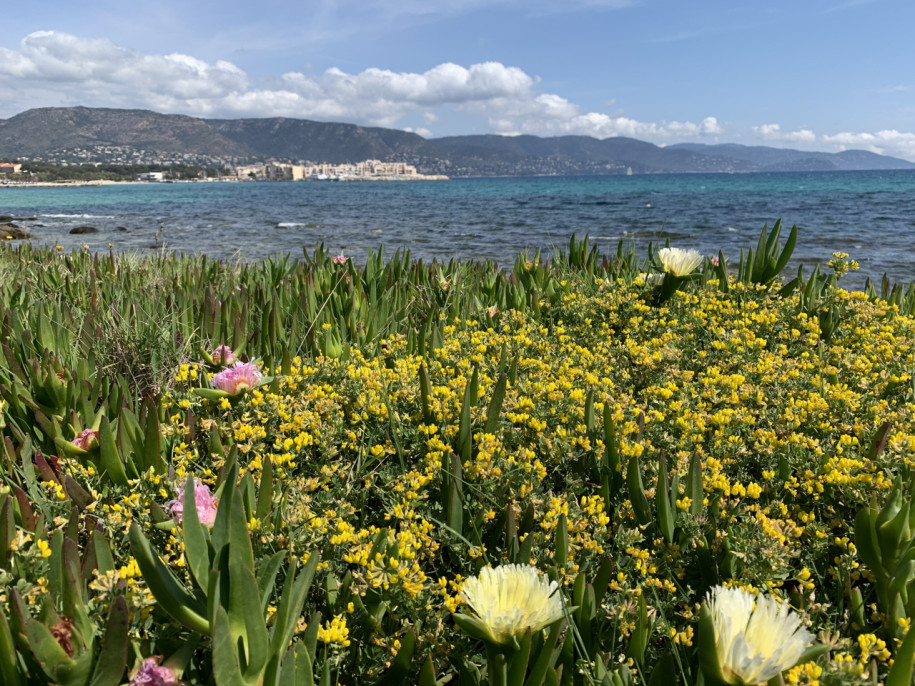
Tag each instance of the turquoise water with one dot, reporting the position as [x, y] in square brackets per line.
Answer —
[870, 215]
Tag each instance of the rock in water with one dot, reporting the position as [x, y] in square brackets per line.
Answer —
[12, 232]
[84, 229]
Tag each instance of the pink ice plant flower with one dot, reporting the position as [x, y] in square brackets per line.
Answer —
[206, 505]
[241, 376]
[339, 259]
[87, 440]
[152, 674]
[223, 355]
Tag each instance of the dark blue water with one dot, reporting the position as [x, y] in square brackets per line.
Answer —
[870, 215]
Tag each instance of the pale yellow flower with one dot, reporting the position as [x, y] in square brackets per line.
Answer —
[679, 262]
[510, 599]
[755, 643]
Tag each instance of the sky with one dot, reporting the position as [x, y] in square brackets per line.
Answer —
[825, 75]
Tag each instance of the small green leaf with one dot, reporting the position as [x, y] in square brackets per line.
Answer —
[903, 663]
[297, 667]
[427, 673]
[211, 393]
[226, 667]
[495, 404]
[637, 491]
[110, 457]
[112, 659]
[167, 589]
[400, 665]
[8, 669]
[664, 672]
[474, 627]
[666, 519]
[544, 659]
[562, 542]
[708, 650]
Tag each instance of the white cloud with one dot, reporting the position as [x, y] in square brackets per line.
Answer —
[887, 142]
[899, 88]
[58, 69]
[422, 131]
[81, 70]
[52, 68]
[773, 132]
[552, 115]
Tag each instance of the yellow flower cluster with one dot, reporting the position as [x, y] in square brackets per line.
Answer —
[335, 631]
[412, 472]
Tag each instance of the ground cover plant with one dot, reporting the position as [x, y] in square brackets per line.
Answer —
[587, 470]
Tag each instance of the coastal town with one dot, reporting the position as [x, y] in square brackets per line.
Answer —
[366, 170]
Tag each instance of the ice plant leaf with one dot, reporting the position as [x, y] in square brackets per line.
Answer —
[226, 666]
[708, 650]
[400, 665]
[112, 660]
[168, 591]
[211, 393]
[637, 491]
[903, 662]
[110, 455]
[297, 667]
[545, 656]
[8, 670]
[475, 627]
[196, 548]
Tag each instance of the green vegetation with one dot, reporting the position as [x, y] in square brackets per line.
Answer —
[46, 172]
[295, 472]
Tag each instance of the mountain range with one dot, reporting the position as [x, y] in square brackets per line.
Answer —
[82, 134]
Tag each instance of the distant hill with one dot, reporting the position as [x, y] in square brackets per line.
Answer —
[48, 130]
[300, 139]
[779, 159]
[81, 134]
[578, 154]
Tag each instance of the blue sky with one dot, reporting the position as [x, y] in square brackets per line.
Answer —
[808, 74]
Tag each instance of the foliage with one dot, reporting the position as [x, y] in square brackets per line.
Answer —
[418, 422]
[46, 171]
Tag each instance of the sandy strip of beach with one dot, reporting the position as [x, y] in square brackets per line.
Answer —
[59, 184]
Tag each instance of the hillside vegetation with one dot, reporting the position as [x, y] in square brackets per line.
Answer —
[82, 134]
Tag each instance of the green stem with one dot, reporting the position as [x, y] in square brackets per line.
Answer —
[496, 666]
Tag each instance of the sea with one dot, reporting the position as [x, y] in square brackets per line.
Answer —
[869, 214]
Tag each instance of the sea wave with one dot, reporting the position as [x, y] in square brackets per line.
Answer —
[869, 215]
[78, 216]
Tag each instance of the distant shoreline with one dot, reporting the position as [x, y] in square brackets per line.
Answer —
[64, 184]
[106, 182]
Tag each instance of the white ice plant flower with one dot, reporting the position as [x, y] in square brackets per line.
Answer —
[756, 638]
[678, 262]
[512, 598]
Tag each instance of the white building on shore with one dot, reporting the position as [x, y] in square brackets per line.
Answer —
[151, 176]
[365, 170]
